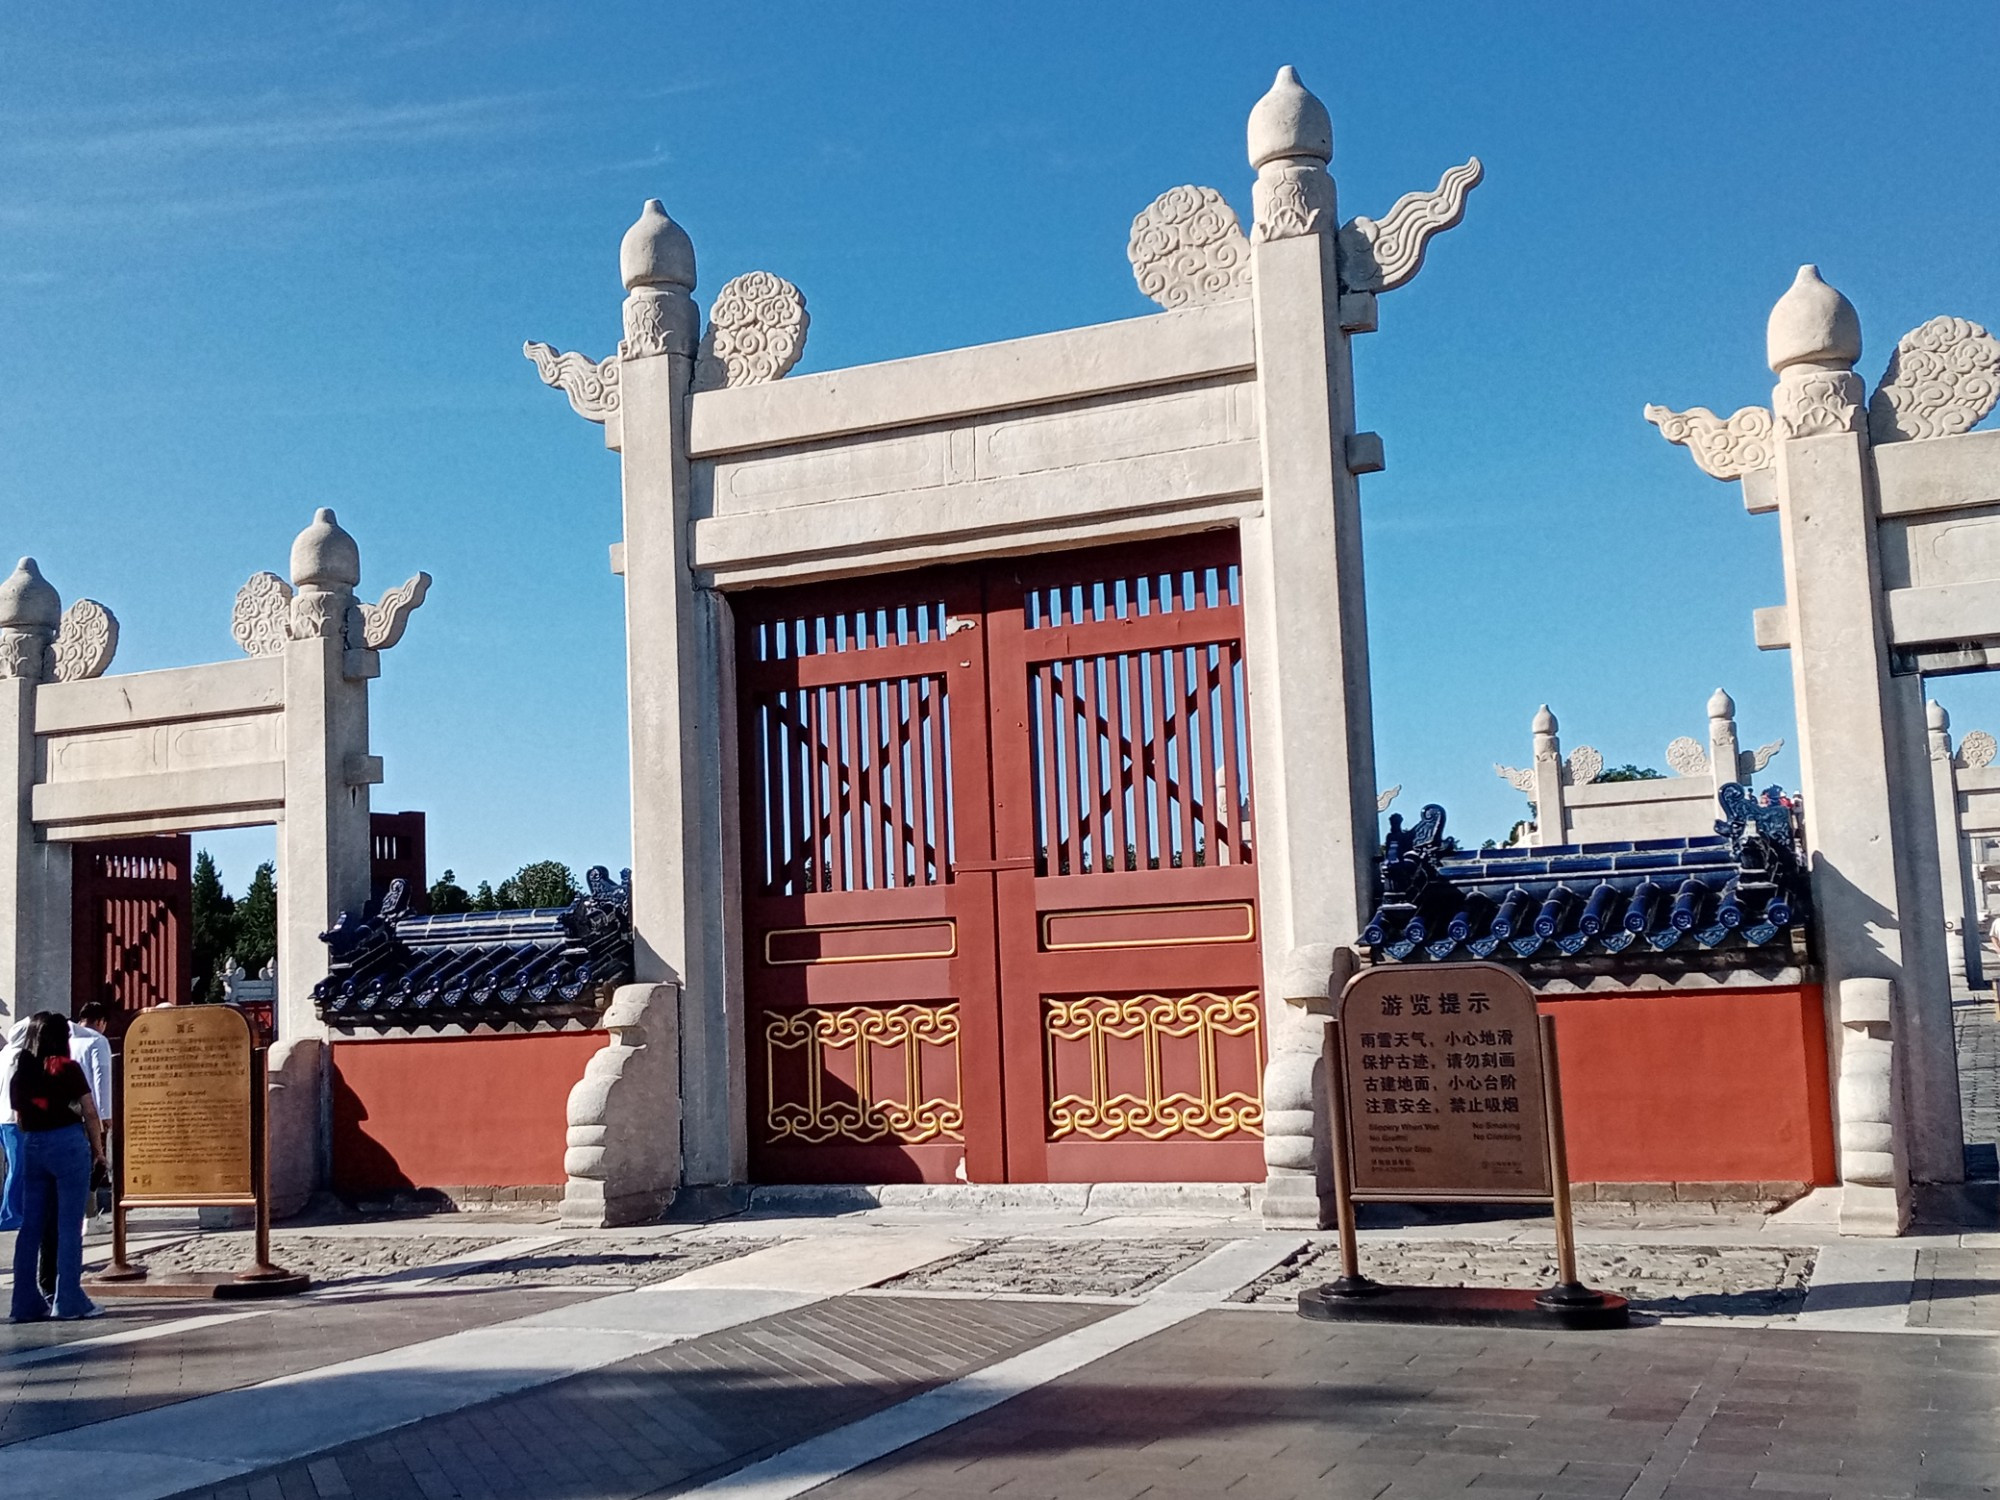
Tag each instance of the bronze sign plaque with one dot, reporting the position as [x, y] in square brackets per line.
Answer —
[1442, 1072]
[185, 1106]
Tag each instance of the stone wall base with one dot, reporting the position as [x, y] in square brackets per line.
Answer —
[1715, 1197]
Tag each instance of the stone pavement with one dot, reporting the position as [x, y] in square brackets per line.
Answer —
[1020, 1350]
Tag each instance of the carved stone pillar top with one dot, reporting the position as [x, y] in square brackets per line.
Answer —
[656, 259]
[1813, 339]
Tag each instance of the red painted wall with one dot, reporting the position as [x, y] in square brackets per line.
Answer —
[1678, 1087]
[462, 1111]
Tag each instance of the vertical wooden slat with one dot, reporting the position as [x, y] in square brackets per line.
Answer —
[1157, 757]
[1046, 800]
[1228, 829]
[1071, 766]
[1091, 788]
[1116, 707]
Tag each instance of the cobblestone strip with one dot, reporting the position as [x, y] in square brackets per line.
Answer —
[1684, 1280]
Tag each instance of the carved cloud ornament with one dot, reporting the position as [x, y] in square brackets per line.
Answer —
[756, 332]
[1750, 762]
[1385, 797]
[261, 620]
[1187, 249]
[382, 625]
[1520, 778]
[1687, 757]
[1379, 255]
[1585, 765]
[1942, 379]
[86, 642]
[1977, 750]
[1724, 448]
[591, 385]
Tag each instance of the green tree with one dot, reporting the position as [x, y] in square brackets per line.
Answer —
[483, 899]
[257, 920]
[1630, 772]
[213, 929]
[448, 897]
[547, 882]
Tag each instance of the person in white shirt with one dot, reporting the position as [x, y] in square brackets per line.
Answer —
[91, 1050]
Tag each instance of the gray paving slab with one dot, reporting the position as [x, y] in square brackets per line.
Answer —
[1304, 1409]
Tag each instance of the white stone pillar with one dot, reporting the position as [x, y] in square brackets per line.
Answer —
[1870, 825]
[30, 612]
[677, 644]
[1551, 813]
[1725, 755]
[1306, 625]
[323, 840]
[1961, 931]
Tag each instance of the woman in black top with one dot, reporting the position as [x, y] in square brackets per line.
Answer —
[60, 1139]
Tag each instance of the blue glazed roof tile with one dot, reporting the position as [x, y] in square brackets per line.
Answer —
[1742, 889]
[551, 965]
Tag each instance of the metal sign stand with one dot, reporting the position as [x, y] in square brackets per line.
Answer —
[262, 1279]
[1354, 1297]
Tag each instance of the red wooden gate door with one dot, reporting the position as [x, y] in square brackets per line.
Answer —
[999, 903]
[132, 930]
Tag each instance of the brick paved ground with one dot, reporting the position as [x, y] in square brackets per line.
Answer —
[1264, 1407]
[1243, 1400]
[1957, 1288]
[96, 1383]
[673, 1418]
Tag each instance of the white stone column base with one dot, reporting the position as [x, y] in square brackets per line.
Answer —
[624, 1143]
[1870, 1210]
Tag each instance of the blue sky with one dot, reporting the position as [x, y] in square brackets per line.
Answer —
[255, 259]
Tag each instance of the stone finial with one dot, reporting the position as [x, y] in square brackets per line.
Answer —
[1289, 121]
[30, 612]
[1935, 717]
[656, 252]
[324, 556]
[1721, 705]
[656, 259]
[1813, 324]
[1291, 141]
[28, 601]
[1544, 722]
[1813, 340]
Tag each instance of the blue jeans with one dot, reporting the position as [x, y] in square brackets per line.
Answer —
[10, 1196]
[56, 1166]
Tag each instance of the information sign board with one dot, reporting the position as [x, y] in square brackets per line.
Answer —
[1442, 1067]
[184, 1110]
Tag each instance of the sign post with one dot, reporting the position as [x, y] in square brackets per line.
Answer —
[1444, 1086]
[191, 1131]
